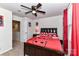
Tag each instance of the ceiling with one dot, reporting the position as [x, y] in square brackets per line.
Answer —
[51, 9]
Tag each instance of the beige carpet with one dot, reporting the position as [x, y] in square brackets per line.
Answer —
[18, 49]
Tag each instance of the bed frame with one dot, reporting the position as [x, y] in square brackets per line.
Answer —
[49, 30]
[33, 50]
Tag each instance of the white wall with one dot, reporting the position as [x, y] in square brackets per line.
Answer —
[69, 27]
[51, 22]
[29, 29]
[17, 18]
[6, 31]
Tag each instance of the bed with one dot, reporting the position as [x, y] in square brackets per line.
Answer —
[47, 43]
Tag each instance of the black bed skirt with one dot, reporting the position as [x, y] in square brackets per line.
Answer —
[32, 50]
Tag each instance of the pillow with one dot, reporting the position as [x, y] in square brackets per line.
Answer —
[54, 35]
[42, 33]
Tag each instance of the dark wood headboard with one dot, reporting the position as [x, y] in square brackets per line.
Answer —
[49, 30]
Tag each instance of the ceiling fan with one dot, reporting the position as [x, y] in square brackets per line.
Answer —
[34, 9]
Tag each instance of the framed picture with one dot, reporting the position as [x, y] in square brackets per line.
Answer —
[29, 24]
[1, 21]
[36, 23]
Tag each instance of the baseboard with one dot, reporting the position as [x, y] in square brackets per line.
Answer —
[6, 51]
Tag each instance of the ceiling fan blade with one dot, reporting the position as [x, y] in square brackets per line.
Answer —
[41, 11]
[26, 7]
[39, 5]
[28, 12]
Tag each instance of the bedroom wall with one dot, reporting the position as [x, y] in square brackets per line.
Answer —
[51, 22]
[6, 31]
[27, 30]
[69, 27]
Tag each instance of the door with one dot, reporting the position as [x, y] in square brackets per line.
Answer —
[16, 30]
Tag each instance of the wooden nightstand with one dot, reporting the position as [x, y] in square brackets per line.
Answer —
[35, 35]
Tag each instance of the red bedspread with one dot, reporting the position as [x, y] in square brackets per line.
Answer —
[46, 42]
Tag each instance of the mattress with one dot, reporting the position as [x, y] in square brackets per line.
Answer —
[49, 42]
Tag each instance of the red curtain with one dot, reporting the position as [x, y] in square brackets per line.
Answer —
[65, 23]
[75, 30]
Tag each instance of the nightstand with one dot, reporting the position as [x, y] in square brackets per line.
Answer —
[35, 35]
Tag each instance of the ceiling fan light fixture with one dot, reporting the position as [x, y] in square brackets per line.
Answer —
[33, 11]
